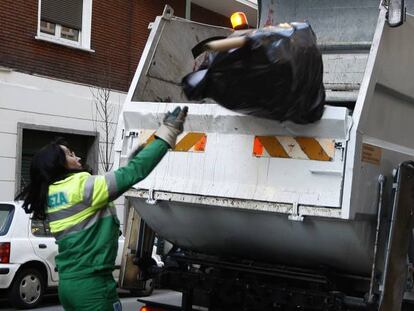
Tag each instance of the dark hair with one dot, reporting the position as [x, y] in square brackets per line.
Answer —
[48, 166]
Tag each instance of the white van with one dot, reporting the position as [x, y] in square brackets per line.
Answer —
[27, 256]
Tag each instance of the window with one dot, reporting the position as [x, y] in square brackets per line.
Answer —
[66, 22]
[69, 33]
[40, 228]
[47, 27]
[6, 216]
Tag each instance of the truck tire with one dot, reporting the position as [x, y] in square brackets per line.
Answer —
[407, 306]
[27, 289]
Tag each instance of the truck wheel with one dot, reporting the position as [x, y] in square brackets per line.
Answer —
[407, 306]
[145, 292]
[27, 289]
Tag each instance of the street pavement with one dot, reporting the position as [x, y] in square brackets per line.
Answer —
[51, 303]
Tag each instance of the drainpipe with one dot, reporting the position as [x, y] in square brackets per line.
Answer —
[188, 9]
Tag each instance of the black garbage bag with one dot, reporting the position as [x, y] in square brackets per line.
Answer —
[277, 74]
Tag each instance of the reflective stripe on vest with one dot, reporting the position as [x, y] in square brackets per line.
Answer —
[86, 196]
[86, 223]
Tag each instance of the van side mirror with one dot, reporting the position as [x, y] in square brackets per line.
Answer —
[396, 12]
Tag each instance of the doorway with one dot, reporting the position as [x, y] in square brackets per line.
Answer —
[32, 138]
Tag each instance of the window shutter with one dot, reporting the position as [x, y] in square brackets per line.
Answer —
[67, 13]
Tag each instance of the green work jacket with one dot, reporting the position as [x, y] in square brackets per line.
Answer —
[83, 219]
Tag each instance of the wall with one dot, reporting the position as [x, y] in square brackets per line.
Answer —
[37, 90]
[41, 102]
[119, 33]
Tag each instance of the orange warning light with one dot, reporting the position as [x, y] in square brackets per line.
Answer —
[239, 21]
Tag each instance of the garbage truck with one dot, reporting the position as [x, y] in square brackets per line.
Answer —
[266, 215]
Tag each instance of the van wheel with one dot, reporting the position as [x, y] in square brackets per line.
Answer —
[27, 289]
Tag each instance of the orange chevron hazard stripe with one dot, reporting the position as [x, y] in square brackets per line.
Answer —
[191, 142]
[305, 148]
[187, 142]
[272, 146]
[150, 139]
[313, 149]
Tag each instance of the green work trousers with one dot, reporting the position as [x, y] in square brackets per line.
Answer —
[90, 293]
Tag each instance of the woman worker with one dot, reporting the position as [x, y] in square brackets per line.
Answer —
[82, 217]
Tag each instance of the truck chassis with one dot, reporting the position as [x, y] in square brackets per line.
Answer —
[218, 284]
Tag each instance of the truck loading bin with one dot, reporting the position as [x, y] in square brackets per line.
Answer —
[310, 196]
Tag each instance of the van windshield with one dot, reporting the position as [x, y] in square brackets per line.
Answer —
[6, 215]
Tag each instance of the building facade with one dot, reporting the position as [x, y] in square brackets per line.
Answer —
[60, 60]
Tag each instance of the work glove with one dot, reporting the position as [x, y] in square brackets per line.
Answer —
[173, 125]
